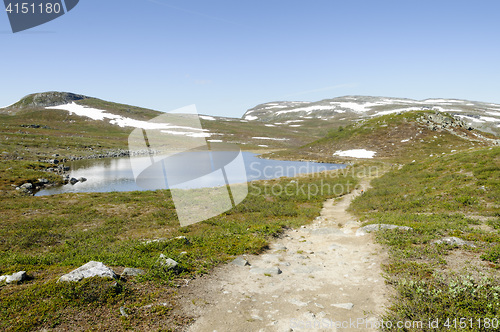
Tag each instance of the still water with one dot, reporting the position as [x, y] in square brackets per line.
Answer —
[117, 174]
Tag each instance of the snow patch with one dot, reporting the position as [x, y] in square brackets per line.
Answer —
[206, 117]
[272, 139]
[251, 117]
[489, 119]
[471, 118]
[97, 114]
[356, 153]
[356, 107]
[398, 110]
[308, 109]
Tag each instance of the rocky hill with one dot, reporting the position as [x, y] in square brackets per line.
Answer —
[395, 137]
[480, 115]
[46, 99]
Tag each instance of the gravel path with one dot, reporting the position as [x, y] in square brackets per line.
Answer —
[329, 279]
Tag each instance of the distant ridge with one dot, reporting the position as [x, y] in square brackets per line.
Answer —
[481, 115]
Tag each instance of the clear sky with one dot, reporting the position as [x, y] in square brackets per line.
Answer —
[227, 56]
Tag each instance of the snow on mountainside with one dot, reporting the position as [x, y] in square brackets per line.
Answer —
[484, 116]
[97, 114]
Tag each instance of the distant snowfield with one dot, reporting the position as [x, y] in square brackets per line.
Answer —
[356, 153]
[97, 114]
[396, 111]
[308, 109]
[207, 117]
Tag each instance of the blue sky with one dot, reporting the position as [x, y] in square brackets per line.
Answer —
[228, 56]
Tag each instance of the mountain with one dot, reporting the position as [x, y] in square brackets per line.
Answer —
[71, 125]
[480, 115]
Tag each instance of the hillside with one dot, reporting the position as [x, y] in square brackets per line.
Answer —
[73, 124]
[480, 115]
[394, 137]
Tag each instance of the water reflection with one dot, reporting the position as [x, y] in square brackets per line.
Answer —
[116, 174]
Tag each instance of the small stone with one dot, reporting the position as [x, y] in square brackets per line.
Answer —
[239, 261]
[271, 270]
[169, 263]
[132, 272]
[347, 306]
[82, 179]
[27, 186]
[123, 311]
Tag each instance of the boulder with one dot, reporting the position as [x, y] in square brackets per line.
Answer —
[73, 180]
[89, 270]
[82, 179]
[15, 277]
[376, 227]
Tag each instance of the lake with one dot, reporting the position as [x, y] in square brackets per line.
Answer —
[124, 174]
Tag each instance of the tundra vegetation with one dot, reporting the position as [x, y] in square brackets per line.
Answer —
[441, 184]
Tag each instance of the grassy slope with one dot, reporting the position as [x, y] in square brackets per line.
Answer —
[49, 236]
[384, 135]
[454, 195]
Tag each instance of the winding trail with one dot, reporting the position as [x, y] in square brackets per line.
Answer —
[331, 281]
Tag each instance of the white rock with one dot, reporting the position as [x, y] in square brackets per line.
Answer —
[15, 277]
[91, 269]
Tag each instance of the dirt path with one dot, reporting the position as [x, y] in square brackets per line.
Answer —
[329, 277]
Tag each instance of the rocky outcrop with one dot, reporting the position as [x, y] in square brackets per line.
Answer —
[47, 99]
